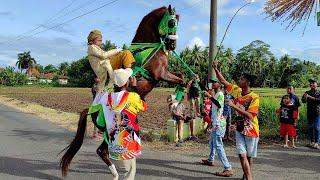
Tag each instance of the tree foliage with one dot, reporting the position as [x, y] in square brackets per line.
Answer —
[80, 73]
[50, 69]
[9, 77]
[255, 58]
[25, 61]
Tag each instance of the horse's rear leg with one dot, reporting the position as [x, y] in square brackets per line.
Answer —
[102, 151]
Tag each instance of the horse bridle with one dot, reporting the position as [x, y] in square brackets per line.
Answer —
[168, 27]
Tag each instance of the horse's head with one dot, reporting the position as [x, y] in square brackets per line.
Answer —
[160, 24]
[168, 28]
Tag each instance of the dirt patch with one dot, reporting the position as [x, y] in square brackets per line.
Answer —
[74, 100]
[64, 119]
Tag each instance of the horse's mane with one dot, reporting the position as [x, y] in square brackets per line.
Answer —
[147, 30]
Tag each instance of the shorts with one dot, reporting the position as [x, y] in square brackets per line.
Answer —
[246, 145]
[287, 129]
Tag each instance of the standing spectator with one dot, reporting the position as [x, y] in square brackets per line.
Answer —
[124, 142]
[294, 98]
[193, 94]
[288, 117]
[206, 112]
[312, 98]
[246, 105]
[294, 101]
[97, 134]
[227, 113]
[177, 110]
[217, 132]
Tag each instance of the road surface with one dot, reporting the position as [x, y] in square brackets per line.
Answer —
[30, 146]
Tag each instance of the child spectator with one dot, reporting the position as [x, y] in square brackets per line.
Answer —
[227, 113]
[288, 116]
[193, 93]
[206, 113]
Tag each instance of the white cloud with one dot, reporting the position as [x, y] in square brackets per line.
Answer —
[194, 28]
[148, 3]
[201, 27]
[225, 7]
[44, 50]
[283, 51]
[310, 54]
[196, 41]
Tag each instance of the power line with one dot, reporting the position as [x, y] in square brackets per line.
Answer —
[76, 9]
[27, 32]
[65, 22]
[121, 26]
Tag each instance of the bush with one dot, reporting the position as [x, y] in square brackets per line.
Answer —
[81, 73]
[9, 77]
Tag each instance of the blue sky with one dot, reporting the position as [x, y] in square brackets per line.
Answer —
[119, 21]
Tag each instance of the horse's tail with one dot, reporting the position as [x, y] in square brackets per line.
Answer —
[75, 145]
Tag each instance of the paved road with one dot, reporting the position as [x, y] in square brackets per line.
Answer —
[29, 148]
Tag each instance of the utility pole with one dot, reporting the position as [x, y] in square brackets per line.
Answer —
[213, 36]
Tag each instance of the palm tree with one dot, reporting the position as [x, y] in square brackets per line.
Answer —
[197, 56]
[50, 69]
[291, 11]
[25, 61]
[63, 68]
[108, 45]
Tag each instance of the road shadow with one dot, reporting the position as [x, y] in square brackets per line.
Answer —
[27, 167]
[291, 159]
[42, 135]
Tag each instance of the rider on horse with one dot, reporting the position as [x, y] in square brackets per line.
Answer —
[104, 62]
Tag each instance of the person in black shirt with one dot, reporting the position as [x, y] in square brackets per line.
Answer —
[312, 98]
[294, 100]
[288, 116]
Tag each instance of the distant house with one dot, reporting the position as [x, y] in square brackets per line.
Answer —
[46, 78]
[31, 80]
[63, 79]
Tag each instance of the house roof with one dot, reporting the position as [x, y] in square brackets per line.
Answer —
[32, 71]
[47, 76]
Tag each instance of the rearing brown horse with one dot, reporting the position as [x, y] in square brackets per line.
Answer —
[147, 32]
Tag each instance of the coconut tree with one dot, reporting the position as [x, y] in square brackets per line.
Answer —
[62, 68]
[108, 45]
[197, 55]
[25, 61]
[292, 12]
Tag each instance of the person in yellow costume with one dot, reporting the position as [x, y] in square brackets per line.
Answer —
[104, 62]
